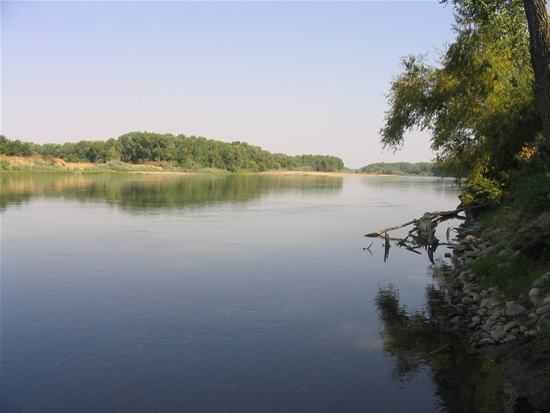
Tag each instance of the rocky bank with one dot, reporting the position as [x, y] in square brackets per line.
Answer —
[508, 329]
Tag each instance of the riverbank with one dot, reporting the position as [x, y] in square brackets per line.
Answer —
[504, 309]
[18, 164]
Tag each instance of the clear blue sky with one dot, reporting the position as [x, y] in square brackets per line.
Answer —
[291, 77]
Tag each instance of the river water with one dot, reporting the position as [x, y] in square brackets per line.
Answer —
[174, 293]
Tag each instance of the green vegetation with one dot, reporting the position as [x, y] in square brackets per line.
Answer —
[14, 148]
[477, 101]
[486, 104]
[400, 168]
[524, 197]
[512, 279]
[173, 153]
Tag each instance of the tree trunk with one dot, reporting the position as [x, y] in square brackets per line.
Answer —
[539, 34]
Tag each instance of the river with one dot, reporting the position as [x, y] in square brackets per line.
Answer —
[177, 293]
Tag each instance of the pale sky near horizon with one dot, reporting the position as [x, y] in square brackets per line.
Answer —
[291, 77]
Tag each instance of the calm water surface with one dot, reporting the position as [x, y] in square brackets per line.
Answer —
[202, 294]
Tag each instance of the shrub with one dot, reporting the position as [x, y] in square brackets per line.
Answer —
[482, 190]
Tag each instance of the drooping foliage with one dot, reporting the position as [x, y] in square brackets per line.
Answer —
[477, 99]
[190, 153]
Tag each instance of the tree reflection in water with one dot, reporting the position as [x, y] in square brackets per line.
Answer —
[415, 341]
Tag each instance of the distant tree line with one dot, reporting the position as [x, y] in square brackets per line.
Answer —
[401, 168]
[15, 148]
[188, 152]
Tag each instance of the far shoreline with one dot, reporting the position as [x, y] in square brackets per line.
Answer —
[268, 173]
[36, 164]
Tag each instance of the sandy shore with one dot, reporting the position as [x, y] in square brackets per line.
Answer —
[272, 173]
[314, 173]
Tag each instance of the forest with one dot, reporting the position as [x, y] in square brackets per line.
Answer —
[401, 168]
[167, 150]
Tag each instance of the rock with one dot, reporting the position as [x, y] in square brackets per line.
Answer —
[493, 302]
[467, 300]
[497, 313]
[485, 341]
[481, 312]
[534, 295]
[508, 338]
[472, 254]
[540, 282]
[546, 301]
[544, 321]
[469, 239]
[523, 329]
[456, 300]
[488, 325]
[460, 248]
[503, 253]
[543, 310]
[510, 325]
[535, 291]
[531, 239]
[513, 309]
[497, 333]
[455, 320]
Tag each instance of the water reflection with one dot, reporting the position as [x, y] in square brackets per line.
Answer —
[415, 343]
[146, 192]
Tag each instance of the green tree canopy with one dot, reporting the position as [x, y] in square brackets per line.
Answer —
[477, 100]
[188, 152]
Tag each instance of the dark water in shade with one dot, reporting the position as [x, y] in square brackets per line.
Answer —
[207, 294]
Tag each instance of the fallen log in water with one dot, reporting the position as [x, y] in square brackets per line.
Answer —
[423, 225]
[423, 232]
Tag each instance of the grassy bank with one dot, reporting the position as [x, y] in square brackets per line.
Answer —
[522, 197]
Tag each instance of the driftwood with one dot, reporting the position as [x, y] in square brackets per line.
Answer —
[423, 233]
[421, 236]
[424, 225]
